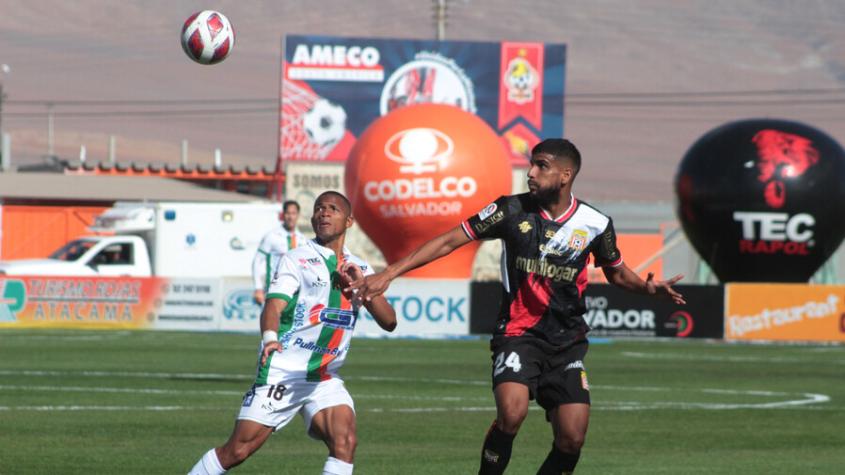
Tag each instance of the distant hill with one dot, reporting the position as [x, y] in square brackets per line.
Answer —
[642, 50]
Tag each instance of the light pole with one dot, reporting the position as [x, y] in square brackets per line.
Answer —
[4, 147]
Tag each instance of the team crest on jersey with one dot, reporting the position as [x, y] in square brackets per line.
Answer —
[338, 318]
[550, 233]
[578, 240]
[584, 383]
[524, 227]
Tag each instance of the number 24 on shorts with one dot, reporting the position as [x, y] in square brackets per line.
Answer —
[512, 362]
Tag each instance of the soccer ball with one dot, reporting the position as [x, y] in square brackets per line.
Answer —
[325, 123]
[208, 37]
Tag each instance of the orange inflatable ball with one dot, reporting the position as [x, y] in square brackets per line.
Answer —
[418, 172]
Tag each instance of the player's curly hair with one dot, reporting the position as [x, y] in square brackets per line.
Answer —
[559, 148]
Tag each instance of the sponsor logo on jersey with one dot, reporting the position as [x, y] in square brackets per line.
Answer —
[545, 269]
[314, 261]
[524, 227]
[338, 318]
[311, 346]
[319, 282]
[489, 222]
[487, 211]
[574, 365]
[545, 249]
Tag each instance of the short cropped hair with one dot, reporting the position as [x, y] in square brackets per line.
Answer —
[339, 195]
[290, 203]
[559, 148]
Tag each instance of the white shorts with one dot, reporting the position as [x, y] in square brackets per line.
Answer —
[275, 405]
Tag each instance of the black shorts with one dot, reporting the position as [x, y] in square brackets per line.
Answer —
[554, 375]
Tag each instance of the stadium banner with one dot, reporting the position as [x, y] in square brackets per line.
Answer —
[332, 88]
[240, 312]
[785, 312]
[79, 302]
[612, 311]
[189, 304]
[433, 308]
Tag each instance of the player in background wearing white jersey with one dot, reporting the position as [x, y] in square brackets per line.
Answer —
[306, 328]
[274, 245]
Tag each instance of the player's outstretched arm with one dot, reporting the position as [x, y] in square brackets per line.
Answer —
[436, 248]
[270, 316]
[622, 276]
[383, 312]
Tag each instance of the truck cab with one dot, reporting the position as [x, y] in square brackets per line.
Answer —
[117, 256]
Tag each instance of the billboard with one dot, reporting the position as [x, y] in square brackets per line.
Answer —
[787, 312]
[332, 88]
[77, 302]
[613, 312]
[424, 308]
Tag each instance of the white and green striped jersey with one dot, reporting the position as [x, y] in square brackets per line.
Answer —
[273, 246]
[316, 327]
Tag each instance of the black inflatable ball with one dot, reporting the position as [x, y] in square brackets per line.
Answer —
[763, 200]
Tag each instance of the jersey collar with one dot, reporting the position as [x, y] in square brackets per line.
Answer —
[324, 251]
[566, 214]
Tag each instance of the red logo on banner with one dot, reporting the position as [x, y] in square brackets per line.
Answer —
[782, 156]
[521, 85]
[519, 140]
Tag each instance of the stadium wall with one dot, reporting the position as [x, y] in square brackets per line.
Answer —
[428, 308]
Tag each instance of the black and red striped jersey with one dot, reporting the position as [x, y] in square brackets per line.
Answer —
[544, 263]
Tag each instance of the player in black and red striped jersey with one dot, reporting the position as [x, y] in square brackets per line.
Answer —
[540, 341]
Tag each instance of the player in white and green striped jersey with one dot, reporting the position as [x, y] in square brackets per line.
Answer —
[273, 246]
[307, 325]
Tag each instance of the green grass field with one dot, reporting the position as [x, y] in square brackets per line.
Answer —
[153, 402]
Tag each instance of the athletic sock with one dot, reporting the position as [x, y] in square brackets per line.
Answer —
[496, 452]
[208, 465]
[558, 462]
[334, 466]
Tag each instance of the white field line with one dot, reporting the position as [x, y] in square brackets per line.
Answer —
[730, 359]
[803, 399]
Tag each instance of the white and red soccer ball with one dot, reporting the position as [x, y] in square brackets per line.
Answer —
[208, 37]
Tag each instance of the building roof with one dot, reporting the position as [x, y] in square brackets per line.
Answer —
[54, 186]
